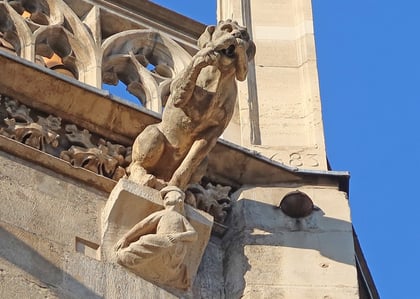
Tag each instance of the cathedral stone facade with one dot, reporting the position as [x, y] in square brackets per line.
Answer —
[266, 218]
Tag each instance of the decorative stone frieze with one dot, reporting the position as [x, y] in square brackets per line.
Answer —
[21, 127]
[78, 147]
[105, 158]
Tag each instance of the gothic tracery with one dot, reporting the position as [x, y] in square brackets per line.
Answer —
[76, 39]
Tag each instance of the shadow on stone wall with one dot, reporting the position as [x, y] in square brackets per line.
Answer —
[265, 226]
[26, 258]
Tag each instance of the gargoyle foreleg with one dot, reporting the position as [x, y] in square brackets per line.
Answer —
[182, 88]
[147, 151]
[198, 152]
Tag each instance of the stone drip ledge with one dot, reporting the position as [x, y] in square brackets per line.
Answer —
[28, 153]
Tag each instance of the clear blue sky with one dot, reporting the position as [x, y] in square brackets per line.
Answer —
[370, 77]
[369, 70]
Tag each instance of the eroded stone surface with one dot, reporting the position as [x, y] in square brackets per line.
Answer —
[32, 266]
[160, 245]
[213, 199]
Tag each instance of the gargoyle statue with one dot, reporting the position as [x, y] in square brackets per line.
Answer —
[200, 106]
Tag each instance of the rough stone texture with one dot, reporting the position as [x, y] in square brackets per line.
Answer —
[264, 253]
[38, 252]
[43, 202]
[264, 291]
[271, 254]
[209, 282]
[33, 267]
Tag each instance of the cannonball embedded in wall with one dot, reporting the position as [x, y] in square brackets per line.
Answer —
[296, 204]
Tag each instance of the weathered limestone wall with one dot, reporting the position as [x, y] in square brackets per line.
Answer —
[49, 233]
[34, 266]
[279, 107]
[271, 255]
[47, 204]
[41, 214]
[50, 228]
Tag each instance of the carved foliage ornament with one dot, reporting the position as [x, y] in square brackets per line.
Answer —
[213, 199]
[106, 159]
[79, 147]
[21, 127]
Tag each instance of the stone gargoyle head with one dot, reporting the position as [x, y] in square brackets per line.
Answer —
[232, 41]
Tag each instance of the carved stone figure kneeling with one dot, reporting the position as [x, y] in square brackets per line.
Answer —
[160, 241]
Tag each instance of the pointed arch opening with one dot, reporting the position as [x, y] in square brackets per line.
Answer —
[145, 61]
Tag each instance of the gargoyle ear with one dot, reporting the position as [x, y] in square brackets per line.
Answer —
[250, 52]
[206, 36]
[242, 61]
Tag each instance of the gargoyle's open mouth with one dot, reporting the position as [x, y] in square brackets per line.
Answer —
[229, 52]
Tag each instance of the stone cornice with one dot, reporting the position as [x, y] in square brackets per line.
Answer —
[120, 121]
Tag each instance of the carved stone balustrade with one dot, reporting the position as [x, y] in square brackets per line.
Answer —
[96, 43]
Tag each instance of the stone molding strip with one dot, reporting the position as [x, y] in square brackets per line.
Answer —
[28, 153]
[178, 26]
